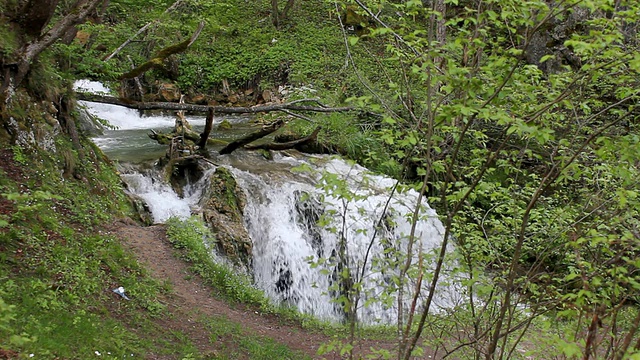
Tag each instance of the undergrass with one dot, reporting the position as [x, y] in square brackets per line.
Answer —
[58, 264]
[236, 343]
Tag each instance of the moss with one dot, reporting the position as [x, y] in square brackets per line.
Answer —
[265, 154]
[225, 125]
[223, 208]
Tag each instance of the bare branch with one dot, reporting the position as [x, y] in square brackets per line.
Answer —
[142, 29]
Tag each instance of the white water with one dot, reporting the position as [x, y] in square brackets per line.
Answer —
[282, 215]
[162, 200]
[283, 225]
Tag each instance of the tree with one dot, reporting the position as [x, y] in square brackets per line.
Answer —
[32, 17]
[518, 157]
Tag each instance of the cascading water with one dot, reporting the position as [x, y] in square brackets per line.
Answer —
[162, 200]
[304, 236]
[283, 216]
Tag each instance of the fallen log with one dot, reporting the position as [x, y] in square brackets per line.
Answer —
[292, 106]
[252, 137]
[286, 145]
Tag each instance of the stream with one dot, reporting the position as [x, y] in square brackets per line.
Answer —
[307, 228]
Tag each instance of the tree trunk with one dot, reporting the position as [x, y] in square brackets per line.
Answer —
[278, 16]
[275, 17]
[35, 16]
[207, 130]
[291, 106]
[31, 50]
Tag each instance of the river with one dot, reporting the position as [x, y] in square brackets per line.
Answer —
[303, 213]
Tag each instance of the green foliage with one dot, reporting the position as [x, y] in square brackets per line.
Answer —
[58, 265]
[518, 158]
[196, 243]
[245, 345]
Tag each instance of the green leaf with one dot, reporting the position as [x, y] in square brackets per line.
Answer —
[545, 58]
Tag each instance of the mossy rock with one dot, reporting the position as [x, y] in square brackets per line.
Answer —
[225, 125]
[222, 206]
[266, 154]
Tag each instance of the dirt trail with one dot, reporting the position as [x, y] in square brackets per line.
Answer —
[191, 298]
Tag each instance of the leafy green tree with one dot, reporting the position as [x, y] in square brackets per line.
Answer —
[510, 114]
[33, 18]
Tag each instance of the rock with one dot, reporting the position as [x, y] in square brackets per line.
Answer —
[225, 125]
[266, 154]
[89, 124]
[141, 207]
[199, 99]
[220, 98]
[233, 99]
[184, 171]
[82, 37]
[169, 92]
[267, 95]
[223, 204]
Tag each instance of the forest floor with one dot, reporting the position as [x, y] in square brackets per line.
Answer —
[190, 301]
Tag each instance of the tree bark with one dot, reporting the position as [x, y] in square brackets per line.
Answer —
[207, 130]
[30, 51]
[36, 14]
[275, 17]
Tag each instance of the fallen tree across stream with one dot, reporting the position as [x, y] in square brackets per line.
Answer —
[201, 141]
[290, 106]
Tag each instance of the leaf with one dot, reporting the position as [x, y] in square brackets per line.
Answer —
[353, 40]
[545, 58]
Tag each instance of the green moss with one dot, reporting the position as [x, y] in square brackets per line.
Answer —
[225, 125]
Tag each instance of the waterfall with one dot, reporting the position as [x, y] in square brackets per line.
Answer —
[283, 216]
[311, 220]
[162, 200]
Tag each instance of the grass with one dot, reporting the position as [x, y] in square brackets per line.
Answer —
[58, 265]
[236, 343]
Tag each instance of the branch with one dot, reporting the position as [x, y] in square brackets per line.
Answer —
[158, 59]
[252, 137]
[288, 144]
[205, 108]
[30, 52]
[142, 29]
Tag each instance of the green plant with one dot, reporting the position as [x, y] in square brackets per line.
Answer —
[196, 242]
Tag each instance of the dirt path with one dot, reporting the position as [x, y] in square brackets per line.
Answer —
[192, 299]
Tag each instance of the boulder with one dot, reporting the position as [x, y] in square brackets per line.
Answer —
[222, 205]
[199, 99]
[169, 92]
[225, 125]
[267, 95]
[89, 124]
